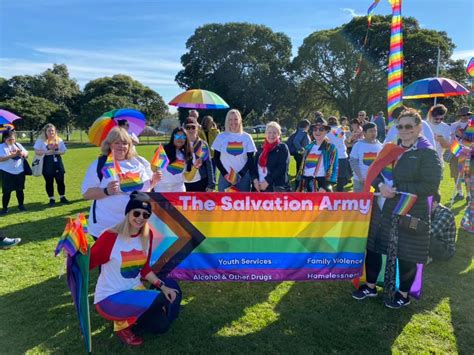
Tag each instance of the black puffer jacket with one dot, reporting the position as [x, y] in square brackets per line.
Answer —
[277, 167]
[418, 171]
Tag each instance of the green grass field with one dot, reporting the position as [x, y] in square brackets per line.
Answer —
[37, 314]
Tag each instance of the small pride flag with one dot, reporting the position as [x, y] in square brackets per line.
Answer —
[109, 168]
[405, 203]
[81, 219]
[231, 188]
[455, 148]
[160, 159]
[130, 181]
[202, 152]
[72, 240]
[369, 158]
[233, 177]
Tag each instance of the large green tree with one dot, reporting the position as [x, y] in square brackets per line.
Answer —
[35, 111]
[108, 93]
[327, 62]
[246, 64]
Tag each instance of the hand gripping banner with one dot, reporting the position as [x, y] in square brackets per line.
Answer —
[260, 236]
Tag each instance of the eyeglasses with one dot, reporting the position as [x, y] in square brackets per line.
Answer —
[180, 136]
[407, 127]
[144, 214]
[190, 128]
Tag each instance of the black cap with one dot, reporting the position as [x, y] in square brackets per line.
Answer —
[138, 200]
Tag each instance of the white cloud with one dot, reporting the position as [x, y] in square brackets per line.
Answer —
[351, 12]
[463, 54]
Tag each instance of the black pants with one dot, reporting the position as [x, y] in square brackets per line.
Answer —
[198, 186]
[49, 179]
[20, 196]
[407, 270]
[298, 159]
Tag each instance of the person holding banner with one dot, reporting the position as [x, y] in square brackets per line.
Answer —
[270, 169]
[200, 174]
[234, 153]
[319, 168]
[111, 178]
[403, 224]
[123, 252]
[178, 153]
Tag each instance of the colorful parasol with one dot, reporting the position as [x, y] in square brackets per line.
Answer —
[433, 87]
[102, 126]
[198, 98]
[8, 117]
[470, 67]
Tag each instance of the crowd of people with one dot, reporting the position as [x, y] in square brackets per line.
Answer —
[329, 155]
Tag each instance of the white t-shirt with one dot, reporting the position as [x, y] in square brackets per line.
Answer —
[313, 160]
[365, 153]
[441, 129]
[40, 144]
[110, 210]
[12, 166]
[392, 134]
[456, 126]
[338, 136]
[262, 173]
[234, 148]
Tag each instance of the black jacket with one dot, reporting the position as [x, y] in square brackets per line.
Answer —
[277, 166]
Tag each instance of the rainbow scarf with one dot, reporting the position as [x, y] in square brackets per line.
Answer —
[395, 61]
[130, 181]
[176, 167]
[405, 203]
[369, 158]
[233, 177]
[235, 148]
[160, 159]
[455, 148]
[132, 263]
[109, 168]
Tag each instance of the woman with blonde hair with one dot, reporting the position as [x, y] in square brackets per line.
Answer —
[52, 147]
[233, 154]
[112, 177]
[124, 252]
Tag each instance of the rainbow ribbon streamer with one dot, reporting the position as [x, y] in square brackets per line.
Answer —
[130, 182]
[233, 177]
[370, 12]
[455, 148]
[109, 168]
[470, 67]
[395, 61]
[160, 159]
[405, 203]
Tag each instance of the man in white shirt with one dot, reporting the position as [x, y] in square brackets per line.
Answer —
[337, 136]
[441, 131]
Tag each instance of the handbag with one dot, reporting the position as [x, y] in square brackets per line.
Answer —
[37, 165]
[26, 167]
[413, 225]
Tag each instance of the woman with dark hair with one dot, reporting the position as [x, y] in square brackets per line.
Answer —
[11, 169]
[416, 172]
[52, 147]
[123, 252]
[270, 168]
[178, 153]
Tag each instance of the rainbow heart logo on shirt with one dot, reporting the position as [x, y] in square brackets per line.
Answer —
[132, 263]
[176, 167]
[312, 160]
[235, 148]
[130, 181]
[369, 158]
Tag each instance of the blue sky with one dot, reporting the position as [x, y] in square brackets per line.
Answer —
[146, 38]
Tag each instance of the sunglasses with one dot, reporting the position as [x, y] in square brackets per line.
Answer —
[190, 128]
[144, 214]
[407, 127]
[179, 136]
[320, 129]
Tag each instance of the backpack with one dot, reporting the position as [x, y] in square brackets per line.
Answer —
[100, 165]
[290, 144]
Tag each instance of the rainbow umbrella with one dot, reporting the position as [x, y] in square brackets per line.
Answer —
[8, 117]
[470, 67]
[198, 98]
[102, 126]
[433, 87]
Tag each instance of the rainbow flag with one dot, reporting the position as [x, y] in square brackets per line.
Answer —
[260, 236]
[455, 148]
[395, 61]
[233, 177]
[202, 152]
[130, 181]
[470, 67]
[73, 239]
[81, 219]
[405, 203]
[160, 160]
[369, 158]
[109, 169]
[232, 188]
[370, 12]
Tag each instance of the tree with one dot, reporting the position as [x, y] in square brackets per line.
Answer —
[327, 61]
[109, 93]
[246, 64]
[34, 111]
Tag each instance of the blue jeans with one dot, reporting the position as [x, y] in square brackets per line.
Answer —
[243, 185]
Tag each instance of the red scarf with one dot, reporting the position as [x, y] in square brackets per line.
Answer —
[267, 147]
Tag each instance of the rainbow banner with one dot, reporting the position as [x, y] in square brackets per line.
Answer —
[259, 236]
[395, 61]
[160, 159]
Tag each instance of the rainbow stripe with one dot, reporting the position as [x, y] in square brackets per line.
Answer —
[176, 167]
[469, 132]
[108, 170]
[233, 177]
[73, 239]
[202, 152]
[369, 158]
[470, 67]
[235, 148]
[387, 172]
[5, 127]
[455, 148]
[370, 12]
[395, 61]
[132, 262]
[232, 188]
[160, 159]
[244, 239]
[130, 181]
[405, 203]
[312, 161]
[83, 222]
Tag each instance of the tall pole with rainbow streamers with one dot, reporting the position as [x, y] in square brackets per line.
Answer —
[395, 61]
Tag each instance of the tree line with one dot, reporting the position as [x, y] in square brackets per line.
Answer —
[253, 69]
